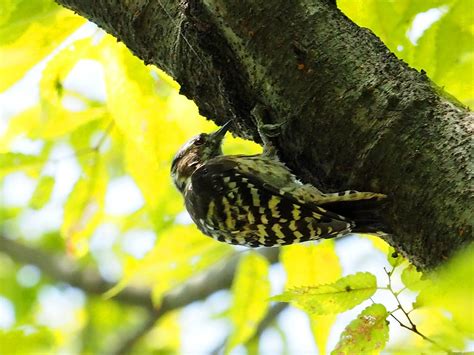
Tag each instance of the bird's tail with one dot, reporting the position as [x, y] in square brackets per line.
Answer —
[366, 214]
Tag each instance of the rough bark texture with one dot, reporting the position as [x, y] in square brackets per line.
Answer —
[357, 117]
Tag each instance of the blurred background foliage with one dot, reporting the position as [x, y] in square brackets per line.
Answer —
[88, 211]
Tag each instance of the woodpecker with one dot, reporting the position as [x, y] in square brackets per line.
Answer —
[255, 200]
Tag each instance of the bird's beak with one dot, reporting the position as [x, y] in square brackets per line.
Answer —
[220, 133]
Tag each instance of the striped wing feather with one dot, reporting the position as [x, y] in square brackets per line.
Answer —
[239, 208]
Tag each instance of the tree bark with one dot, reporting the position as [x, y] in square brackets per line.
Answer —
[356, 116]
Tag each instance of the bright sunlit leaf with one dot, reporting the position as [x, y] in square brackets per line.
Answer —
[153, 127]
[30, 30]
[43, 191]
[444, 50]
[312, 265]
[18, 126]
[26, 340]
[10, 162]
[251, 291]
[179, 253]
[56, 119]
[394, 258]
[452, 289]
[412, 279]
[333, 298]
[84, 208]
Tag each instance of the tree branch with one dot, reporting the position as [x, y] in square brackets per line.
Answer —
[199, 287]
[130, 340]
[357, 117]
[66, 270]
[267, 321]
[271, 316]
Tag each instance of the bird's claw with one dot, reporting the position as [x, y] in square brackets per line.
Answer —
[266, 130]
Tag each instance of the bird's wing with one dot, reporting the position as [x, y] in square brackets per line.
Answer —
[240, 208]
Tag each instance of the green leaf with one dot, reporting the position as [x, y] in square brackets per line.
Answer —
[452, 289]
[453, 51]
[84, 208]
[29, 31]
[26, 340]
[394, 258]
[42, 193]
[180, 252]
[389, 20]
[56, 120]
[153, 127]
[321, 328]
[444, 50]
[366, 334]
[334, 298]
[11, 162]
[411, 278]
[312, 265]
[20, 125]
[17, 15]
[250, 290]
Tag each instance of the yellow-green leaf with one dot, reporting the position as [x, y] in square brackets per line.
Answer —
[84, 208]
[29, 340]
[153, 127]
[321, 328]
[312, 265]
[180, 252]
[394, 258]
[439, 325]
[250, 290]
[333, 298]
[42, 193]
[19, 126]
[367, 334]
[11, 162]
[30, 30]
[411, 278]
[446, 53]
[56, 119]
[452, 289]
[167, 334]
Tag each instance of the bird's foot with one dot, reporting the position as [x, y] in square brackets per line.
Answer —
[266, 130]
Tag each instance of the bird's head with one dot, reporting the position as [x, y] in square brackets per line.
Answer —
[194, 153]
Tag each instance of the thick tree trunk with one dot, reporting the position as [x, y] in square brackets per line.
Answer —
[357, 117]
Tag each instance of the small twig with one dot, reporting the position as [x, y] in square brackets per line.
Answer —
[131, 340]
[415, 330]
[268, 320]
[401, 290]
[104, 135]
[403, 309]
[412, 327]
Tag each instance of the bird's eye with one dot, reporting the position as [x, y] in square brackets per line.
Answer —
[200, 139]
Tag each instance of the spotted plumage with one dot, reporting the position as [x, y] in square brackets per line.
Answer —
[256, 201]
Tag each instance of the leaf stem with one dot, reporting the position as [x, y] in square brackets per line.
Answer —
[412, 326]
